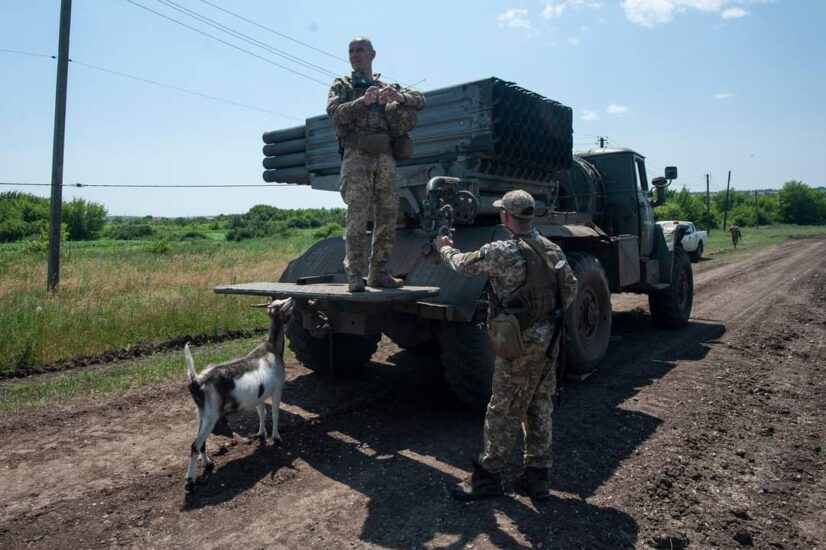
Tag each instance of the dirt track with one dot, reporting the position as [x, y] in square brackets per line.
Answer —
[711, 436]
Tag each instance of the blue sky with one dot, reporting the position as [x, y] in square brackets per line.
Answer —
[707, 85]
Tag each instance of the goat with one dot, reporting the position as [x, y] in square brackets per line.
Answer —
[239, 384]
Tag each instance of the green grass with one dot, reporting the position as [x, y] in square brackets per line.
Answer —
[115, 294]
[719, 249]
[95, 382]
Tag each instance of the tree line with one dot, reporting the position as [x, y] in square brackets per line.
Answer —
[26, 217]
[796, 203]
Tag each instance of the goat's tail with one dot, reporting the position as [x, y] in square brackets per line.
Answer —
[190, 363]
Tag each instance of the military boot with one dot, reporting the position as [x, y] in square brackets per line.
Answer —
[355, 282]
[481, 484]
[534, 483]
[383, 279]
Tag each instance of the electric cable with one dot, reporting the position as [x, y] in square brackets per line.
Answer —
[248, 39]
[231, 45]
[153, 186]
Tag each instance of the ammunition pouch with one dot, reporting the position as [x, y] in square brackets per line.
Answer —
[400, 118]
[506, 336]
[402, 147]
[374, 143]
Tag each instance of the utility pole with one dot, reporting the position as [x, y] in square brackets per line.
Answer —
[602, 143]
[56, 204]
[756, 211]
[725, 211]
[708, 207]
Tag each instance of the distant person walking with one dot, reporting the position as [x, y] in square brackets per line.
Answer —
[736, 235]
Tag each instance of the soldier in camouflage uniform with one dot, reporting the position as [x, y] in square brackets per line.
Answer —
[371, 118]
[523, 387]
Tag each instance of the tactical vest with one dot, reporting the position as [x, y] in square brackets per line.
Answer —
[535, 300]
[394, 123]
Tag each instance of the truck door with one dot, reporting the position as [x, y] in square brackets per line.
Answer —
[646, 218]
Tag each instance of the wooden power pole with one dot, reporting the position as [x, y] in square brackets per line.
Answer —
[725, 210]
[708, 208]
[56, 205]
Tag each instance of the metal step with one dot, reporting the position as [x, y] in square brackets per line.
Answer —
[330, 291]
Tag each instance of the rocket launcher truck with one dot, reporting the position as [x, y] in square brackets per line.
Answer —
[473, 143]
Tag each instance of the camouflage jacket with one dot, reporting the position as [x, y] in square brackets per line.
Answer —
[504, 264]
[350, 116]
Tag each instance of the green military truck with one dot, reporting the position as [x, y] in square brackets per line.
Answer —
[473, 143]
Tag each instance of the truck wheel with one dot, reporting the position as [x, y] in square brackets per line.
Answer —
[411, 336]
[671, 308]
[697, 255]
[350, 351]
[588, 319]
[468, 359]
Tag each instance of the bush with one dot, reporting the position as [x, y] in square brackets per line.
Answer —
[84, 219]
[801, 204]
[131, 231]
[328, 230]
[192, 236]
[161, 246]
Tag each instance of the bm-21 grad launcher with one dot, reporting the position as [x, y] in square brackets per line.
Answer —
[473, 143]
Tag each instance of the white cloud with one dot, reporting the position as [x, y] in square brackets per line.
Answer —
[554, 10]
[723, 96]
[574, 41]
[515, 19]
[734, 13]
[614, 109]
[589, 115]
[558, 7]
[650, 13]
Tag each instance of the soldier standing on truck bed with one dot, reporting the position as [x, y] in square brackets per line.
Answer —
[372, 120]
[524, 285]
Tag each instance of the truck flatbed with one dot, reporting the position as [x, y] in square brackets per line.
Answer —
[330, 291]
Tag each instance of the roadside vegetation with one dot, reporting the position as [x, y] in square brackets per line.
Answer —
[146, 280]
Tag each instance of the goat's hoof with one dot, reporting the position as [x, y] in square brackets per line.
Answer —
[208, 467]
[190, 485]
[278, 441]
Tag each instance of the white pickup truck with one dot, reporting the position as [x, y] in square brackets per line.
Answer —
[693, 240]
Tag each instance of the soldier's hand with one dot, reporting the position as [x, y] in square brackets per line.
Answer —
[371, 95]
[442, 241]
[389, 94]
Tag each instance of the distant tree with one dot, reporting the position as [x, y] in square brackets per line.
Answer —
[84, 219]
[800, 204]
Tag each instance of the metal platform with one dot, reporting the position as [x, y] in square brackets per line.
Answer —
[330, 291]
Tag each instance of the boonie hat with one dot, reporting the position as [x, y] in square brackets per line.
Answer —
[518, 204]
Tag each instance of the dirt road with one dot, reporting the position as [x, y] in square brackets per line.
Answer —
[712, 436]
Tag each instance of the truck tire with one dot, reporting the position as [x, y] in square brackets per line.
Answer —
[350, 351]
[697, 255]
[411, 336]
[671, 308]
[468, 360]
[588, 319]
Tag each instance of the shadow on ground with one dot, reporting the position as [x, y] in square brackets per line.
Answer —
[396, 435]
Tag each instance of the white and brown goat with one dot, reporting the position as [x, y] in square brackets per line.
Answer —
[237, 385]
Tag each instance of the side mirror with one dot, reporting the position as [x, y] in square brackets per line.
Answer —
[670, 172]
[659, 184]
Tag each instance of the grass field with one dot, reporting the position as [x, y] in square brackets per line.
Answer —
[116, 294]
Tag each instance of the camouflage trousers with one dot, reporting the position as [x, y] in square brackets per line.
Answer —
[369, 182]
[522, 398]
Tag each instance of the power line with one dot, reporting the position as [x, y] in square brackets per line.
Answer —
[156, 83]
[153, 186]
[231, 45]
[251, 22]
[282, 35]
[26, 53]
[176, 88]
[246, 38]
